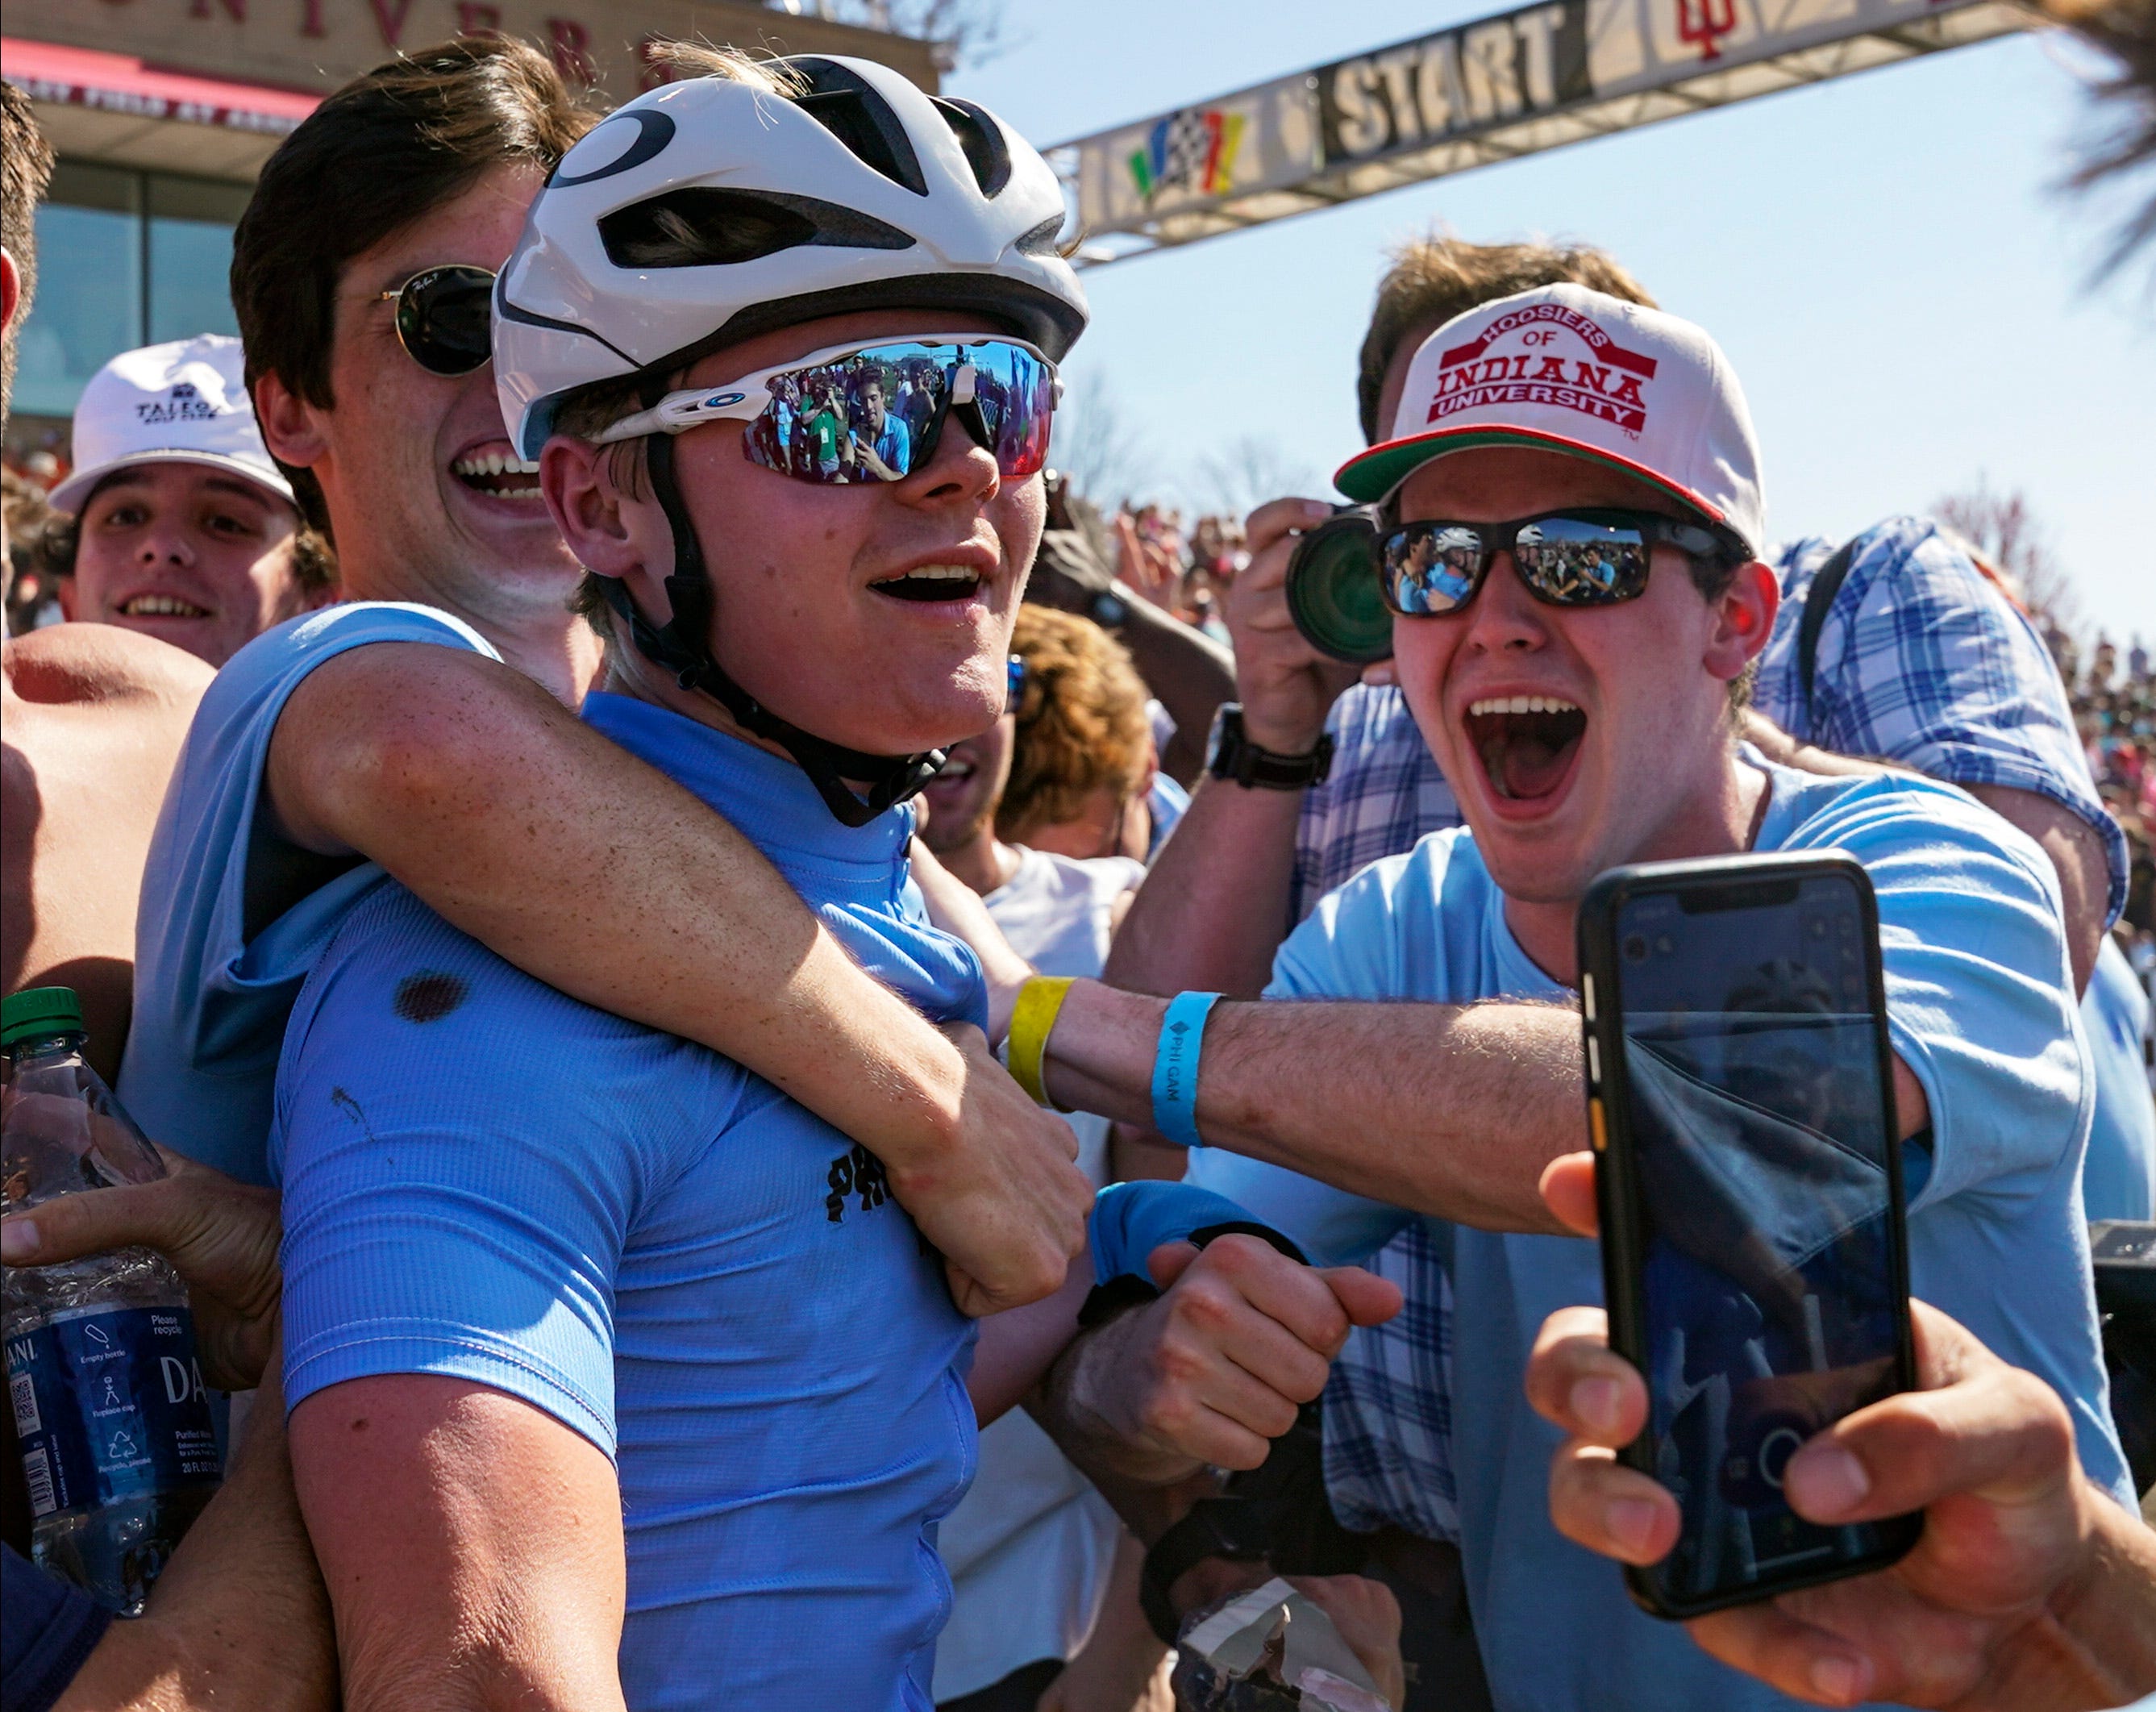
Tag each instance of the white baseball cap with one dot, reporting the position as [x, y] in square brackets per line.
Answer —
[1581, 372]
[183, 403]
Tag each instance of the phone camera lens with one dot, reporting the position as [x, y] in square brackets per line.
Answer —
[1664, 945]
[1635, 948]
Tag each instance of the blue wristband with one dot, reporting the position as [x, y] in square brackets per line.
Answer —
[1175, 1067]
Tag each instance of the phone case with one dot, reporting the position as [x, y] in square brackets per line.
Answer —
[1740, 879]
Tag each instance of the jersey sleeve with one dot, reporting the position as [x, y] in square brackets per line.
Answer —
[1978, 984]
[1130, 1220]
[1923, 661]
[203, 983]
[441, 1221]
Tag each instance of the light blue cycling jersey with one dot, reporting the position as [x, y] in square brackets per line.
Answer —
[1976, 977]
[483, 1177]
[213, 987]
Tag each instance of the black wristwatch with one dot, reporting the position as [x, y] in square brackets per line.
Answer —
[1234, 756]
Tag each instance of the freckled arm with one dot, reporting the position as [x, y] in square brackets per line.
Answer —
[601, 876]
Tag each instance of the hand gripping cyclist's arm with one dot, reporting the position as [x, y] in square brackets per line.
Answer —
[599, 876]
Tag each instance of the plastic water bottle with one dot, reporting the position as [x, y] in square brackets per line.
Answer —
[118, 1449]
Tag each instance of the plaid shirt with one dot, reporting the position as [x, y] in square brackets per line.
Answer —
[1384, 794]
[1919, 662]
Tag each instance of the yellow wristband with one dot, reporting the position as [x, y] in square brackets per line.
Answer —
[1032, 1018]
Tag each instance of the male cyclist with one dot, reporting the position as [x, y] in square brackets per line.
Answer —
[421, 730]
[666, 1394]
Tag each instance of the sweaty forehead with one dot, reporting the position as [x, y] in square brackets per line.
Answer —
[1490, 484]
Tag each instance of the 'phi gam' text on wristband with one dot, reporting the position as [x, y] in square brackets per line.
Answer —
[1175, 1067]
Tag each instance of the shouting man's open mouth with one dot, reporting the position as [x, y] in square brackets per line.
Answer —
[1527, 746]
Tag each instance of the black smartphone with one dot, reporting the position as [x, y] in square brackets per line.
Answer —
[1754, 1261]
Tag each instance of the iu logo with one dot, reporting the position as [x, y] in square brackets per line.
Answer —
[1701, 23]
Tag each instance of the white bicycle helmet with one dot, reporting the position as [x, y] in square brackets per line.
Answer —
[709, 210]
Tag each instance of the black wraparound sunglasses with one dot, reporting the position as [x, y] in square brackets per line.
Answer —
[1594, 556]
[445, 318]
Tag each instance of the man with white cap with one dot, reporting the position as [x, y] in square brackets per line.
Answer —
[186, 530]
[1584, 726]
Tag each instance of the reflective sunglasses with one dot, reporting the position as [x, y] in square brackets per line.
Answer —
[445, 318]
[875, 413]
[1589, 557]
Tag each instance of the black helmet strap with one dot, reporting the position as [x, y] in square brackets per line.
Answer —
[682, 647]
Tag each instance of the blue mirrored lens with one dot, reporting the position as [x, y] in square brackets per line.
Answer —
[1581, 562]
[876, 415]
[1428, 571]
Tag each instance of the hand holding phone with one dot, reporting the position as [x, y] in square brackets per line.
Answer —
[1969, 1618]
[1749, 1182]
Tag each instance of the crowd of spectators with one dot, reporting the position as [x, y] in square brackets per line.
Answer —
[2114, 702]
[756, 1324]
[1185, 571]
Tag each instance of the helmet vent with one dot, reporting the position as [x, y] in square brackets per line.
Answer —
[856, 112]
[1043, 240]
[982, 141]
[701, 226]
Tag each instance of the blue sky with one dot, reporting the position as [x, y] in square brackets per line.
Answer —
[1903, 289]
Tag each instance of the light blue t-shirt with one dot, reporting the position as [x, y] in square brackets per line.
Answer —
[895, 445]
[213, 987]
[1977, 979]
[2118, 1180]
[483, 1177]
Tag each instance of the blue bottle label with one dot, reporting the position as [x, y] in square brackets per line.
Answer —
[109, 1405]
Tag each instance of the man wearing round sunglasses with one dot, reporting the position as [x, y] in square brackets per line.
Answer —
[1586, 721]
[707, 1384]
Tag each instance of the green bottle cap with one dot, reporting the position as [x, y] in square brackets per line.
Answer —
[40, 1010]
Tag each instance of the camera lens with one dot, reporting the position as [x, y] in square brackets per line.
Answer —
[1332, 589]
[1635, 948]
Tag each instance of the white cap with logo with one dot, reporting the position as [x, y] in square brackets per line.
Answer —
[1590, 375]
[183, 403]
